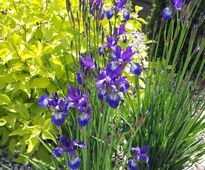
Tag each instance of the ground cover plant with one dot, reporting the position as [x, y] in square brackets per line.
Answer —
[119, 113]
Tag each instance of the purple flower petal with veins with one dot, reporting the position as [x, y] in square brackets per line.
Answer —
[178, 4]
[122, 29]
[58, 118]
[121, 4]
[124, 86]
[135, 68]
[126, 15]
[167, 13]
[57, 152]
[113, 69]
[74, 163]
[132, 164]
[127, 54]
[87, 62]
[79, 79]
[109, 13]
[113, 99]
[43, 101]
[83, 119]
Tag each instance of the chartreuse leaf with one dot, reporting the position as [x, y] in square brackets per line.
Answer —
[47, 135]
[2, 122]
[41, 82]
[4, 99]
[32, 144]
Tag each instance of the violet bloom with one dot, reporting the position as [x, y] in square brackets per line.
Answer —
[126, 15]
[80, 102]
[167, 13]
[121, 56]
[70, 147]
[132, 164]
[95, 5]
[58, 118]
[135, 68]
[74, 163]
[177, 4]
[79, 78]
[109, 88]
[84, 118]
[109, 13]
[121, 29]
[87, 62]
[113, 99]
[113, 69]
[140, 154]
[111, 42]
[43, 101]
[121, 4]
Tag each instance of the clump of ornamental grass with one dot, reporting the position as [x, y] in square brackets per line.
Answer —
[170, 115]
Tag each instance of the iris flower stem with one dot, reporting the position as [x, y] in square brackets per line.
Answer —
[84, 134]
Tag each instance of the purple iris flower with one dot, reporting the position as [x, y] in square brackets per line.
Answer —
[101, 50]
[53, 101]
[124, 86]
[70, 147]
[122, 56]
[127, 54]
[121, 4]
[135, 68]
[80, 102]
[140, 154]
[110, 85]
[132, 164]
[178, 4]
[43, 101]
[57, 152]
[102, 15]
[109, 13]
[113, 69]
[74, 94]
[167, 13]
[95, 5]
[84, 118]
[111, 42]
[101, 94]
[58, 118]
[74, 163]
[79, 78]
[126, 15]
[122, 29]
[113, 99]
[87, 62]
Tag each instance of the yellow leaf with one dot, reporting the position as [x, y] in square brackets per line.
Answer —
[32, 144]
[2, 122]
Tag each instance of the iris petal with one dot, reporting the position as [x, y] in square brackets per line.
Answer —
[43, 101]
[132, 164]
[167, 13]
[74, 163]
[83, 119]
[135, 69]
[113, 99]
[58, 118]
